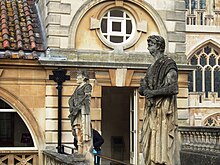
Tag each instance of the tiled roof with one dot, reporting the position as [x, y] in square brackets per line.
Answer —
[20, 30]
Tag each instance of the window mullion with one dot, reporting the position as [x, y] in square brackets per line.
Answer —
[109, 28]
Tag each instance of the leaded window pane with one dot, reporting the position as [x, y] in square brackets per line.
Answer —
[212, 60]
[6, 127]
[190, 81]
[128, 27]
[194, 5]
[116, 39]
[104, 25]
[217, 81]
[198, 80]
[4, 105]
[187, 4]
[13, 131]
[203, 60]
[116, 26]
[116, 13]
[207, 81]
[194, 60]
[202, 4]
[207, 50]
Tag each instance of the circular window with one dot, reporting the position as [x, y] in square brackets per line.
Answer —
[117, 27]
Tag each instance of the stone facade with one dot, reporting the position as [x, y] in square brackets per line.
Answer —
[71, 31]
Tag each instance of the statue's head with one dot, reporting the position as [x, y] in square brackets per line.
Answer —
[158, 41]
[81, 76]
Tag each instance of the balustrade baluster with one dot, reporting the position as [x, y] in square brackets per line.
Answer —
[193, 144]
[197, 140]
[200, 143]
[203, 141]
[209, 142]
[191, 140]
[187, 139]
[200, 139]
[217, 17]
[218, 142]
[215, 141]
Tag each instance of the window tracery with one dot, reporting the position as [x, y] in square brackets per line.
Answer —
[213, 120]
[206, 78]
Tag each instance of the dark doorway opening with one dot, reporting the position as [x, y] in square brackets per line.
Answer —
[116, 122]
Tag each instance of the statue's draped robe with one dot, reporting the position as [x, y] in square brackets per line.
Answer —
[159, 123]
[80, 110]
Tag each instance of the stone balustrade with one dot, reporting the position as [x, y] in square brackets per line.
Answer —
[201, 17]
[22, 157]
[200, 138]
[200, 145]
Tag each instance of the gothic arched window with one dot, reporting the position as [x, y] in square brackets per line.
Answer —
[206, 78]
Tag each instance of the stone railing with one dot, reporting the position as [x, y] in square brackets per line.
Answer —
[201, 17]
[200, 145]
[22, 157]
[200, 138]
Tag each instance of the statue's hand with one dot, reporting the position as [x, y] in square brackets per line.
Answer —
[148, 93]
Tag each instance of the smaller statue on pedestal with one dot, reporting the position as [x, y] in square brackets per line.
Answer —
[79, 107]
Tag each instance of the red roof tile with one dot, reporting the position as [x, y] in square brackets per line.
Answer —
[20, 27]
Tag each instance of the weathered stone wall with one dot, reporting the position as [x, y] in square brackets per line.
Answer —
[65, 20]
[201, 108]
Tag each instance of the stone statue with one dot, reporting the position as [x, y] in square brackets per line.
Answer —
[79, 107]
[160, 87]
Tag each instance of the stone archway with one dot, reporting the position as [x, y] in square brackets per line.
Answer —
[210, 42]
